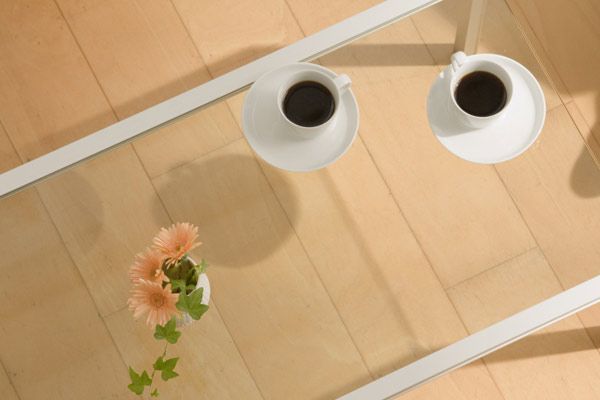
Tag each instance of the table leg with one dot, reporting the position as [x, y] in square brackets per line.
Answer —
[469, 26]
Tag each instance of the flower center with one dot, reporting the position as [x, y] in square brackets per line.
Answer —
[157, 300]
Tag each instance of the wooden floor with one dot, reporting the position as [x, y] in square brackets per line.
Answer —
[321, 281]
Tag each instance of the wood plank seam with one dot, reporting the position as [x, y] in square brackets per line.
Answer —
[585, 140]
[433, 62]
[554, 87]
[287, 4]
[318, 274]
[249, 370]
[534, 51]
[12, 144]
[87, 61]
[81, 278]
[49, 215]
[491, 268]
[562, 287]
[103, 318]
[423, 252]
[214, 304]
[9, 377]
[343, 322]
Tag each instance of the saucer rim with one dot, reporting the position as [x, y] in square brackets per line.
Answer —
[349, 106]
[536, 93]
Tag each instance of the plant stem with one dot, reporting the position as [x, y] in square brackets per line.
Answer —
[164, 353]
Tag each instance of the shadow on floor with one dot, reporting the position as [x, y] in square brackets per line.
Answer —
[226, 194]
[546, 344]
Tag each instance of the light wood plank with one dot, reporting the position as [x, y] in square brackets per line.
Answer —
[265, 287]
[106, 211]
[570, 35]
[374, 270]
[47, 95]
[52, 341]
[6, 388]
[187, 139]
[209, 366]
[500, 34]
[8, 156]
[314, 15]
[585, 131]
[230, 33]
[566, 364]
[145, 57]
[540, 53]
[460, 212]
[557, 187]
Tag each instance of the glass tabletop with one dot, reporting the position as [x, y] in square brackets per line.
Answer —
[320, 282]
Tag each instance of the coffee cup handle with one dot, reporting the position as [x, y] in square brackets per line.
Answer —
[457, 60]
[342, 82]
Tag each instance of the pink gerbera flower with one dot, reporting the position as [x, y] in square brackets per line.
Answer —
[148, 266]
[152, 299]
[177, 240]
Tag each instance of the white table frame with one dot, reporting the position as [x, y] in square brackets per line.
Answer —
[423, 370]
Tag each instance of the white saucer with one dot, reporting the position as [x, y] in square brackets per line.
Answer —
[281, 146]
[507, 137]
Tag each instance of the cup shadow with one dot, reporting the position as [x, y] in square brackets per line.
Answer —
[227, 196]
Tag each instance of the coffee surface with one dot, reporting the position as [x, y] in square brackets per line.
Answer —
[481, 93]
[308, 104]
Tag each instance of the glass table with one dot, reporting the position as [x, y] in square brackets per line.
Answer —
[322, 282]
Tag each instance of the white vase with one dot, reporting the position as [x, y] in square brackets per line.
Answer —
[203, 283]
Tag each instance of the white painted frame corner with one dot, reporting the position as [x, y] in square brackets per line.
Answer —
[481, 343]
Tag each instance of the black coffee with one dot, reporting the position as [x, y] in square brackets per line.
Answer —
[481, 94]
[308, 104]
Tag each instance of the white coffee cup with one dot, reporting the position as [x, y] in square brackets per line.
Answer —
[336, 85]
[462, 65]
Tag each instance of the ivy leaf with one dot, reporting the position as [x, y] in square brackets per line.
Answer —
[178, 284]
[172, 272]
[171, 363]
[203, 266]
[154, 393]
[138, 381]
[168, 332]
[166, 367]
[192, 303]
[168, 374]
[159, 364]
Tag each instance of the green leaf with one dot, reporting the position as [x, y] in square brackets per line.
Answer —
[171, 363]
[146, 380]
[172, 272]
[166, 367]
[168, 374]
[154, 393]
[192, 303]
[159, 364]
[135, 388]
[138, 381]
[203, 266]
[168, 332]
[178, 284]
